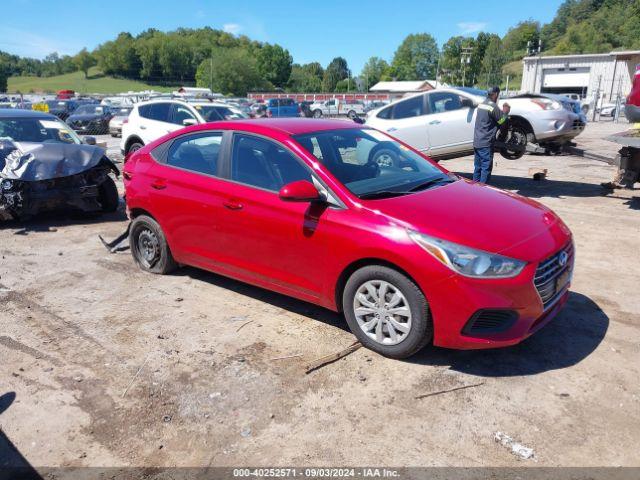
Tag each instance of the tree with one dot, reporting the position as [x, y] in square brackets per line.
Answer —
[492, 63]
[373, 71]
[274, 64]
[416, 58]
[230, 71]
[84, 61]
[4, 75]
[516, 39]
[303, 80]
[336, 70]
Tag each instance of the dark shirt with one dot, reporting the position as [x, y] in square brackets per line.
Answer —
[488, 118]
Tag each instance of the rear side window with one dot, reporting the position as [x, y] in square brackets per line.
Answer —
[155, 111]
[411, 107]
[197, 153]
[443, 102]
[264, 164]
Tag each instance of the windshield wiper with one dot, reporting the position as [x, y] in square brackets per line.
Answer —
[430, 183]
[381, 194]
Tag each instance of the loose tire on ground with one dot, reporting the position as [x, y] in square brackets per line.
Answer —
[108, 195]
[149, 246]
[420, 331]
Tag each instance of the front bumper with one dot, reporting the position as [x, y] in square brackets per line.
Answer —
[456, 301]
[557, 125]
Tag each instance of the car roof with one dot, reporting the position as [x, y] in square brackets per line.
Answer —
[295, 126]
[22, 113]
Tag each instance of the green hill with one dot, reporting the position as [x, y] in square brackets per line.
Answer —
[96, 83]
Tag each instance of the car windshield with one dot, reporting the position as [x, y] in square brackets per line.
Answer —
[90, 110]
[37, 130]
[213, 113]
[57, 104]
[123, 112]
[370, 163]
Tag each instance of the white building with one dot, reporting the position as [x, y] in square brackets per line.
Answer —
[606, 74]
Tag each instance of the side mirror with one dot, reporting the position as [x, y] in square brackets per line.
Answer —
[300, 191]
[189, 121]
[89, 140]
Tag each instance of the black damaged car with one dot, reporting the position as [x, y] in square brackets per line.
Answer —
[92, 119]
[45, 166]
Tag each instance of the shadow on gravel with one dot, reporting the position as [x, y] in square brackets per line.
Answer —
[50, 221]
[300, 307]
[567, 340]
[12, 462]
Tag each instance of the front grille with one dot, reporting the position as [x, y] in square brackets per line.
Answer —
[578, 125]
[550, 270]
[490, 321]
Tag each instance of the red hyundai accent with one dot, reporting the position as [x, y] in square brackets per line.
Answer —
[347, 217]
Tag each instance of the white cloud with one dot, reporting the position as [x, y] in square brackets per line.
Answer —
[471, 27]
[27, 44]
[232, 28]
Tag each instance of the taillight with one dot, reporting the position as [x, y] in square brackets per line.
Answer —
[126, 120]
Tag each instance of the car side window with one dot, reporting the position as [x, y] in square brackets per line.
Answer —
[385, 113]
[264, 164]
[197, 153]
[412, 107]
[440, 102]
[180, 113]
[156, 111]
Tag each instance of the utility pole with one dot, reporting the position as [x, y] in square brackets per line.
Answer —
[506, 92]
[211, 74]
[534, 48]
[597, 97]
[465, 59]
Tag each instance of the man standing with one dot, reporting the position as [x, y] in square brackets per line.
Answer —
[488, 118]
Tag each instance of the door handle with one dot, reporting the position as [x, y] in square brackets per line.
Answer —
[232, 205]
[158, 184]
[142, 127]
[435, 122]
[392, 129]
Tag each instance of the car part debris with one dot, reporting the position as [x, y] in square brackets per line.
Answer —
[516, 448]
[326, 360]
[114, 245]
[51, 176]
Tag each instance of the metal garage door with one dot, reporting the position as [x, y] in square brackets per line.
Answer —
[565, 79]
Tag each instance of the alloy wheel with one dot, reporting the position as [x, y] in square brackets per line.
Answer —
[382, 312]
[148, 248]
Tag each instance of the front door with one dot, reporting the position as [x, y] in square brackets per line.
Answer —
[266, 240]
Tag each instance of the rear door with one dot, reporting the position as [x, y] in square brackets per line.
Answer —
[407, 122]
[186, 193]
[450, 123]
[154, 121]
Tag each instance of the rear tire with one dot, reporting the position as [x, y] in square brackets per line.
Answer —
[149, 246]
[134, 147]
[108, 195]
[396, 323]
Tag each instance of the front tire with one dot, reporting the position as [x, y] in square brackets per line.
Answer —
[149, 246]
[387, 311]
[317, 113]
[108, 195]
[352, 114]
[135, 147]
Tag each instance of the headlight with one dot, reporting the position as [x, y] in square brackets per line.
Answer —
[547, 103]
[469, 261]
[6, 184]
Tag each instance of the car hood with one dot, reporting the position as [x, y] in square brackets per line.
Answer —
[45, 161]
[478, 216]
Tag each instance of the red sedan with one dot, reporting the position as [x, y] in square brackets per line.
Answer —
[347, 217]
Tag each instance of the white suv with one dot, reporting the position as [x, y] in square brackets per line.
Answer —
[151, 120]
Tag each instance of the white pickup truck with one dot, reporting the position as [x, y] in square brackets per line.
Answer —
[335, 106]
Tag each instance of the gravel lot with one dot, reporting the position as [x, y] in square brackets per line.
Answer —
[114, 367]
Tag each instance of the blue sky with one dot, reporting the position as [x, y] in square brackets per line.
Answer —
[311, 31]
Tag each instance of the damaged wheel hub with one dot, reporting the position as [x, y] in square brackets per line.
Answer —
[149, 247]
